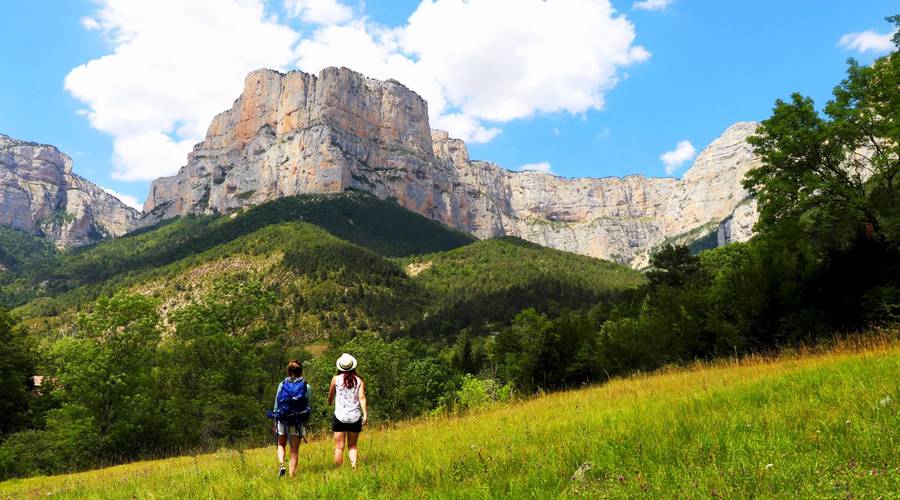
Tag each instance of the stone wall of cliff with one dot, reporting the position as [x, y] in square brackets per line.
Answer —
[298, 133]
[41, 195]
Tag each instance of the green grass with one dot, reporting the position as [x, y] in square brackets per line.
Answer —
[823, 425]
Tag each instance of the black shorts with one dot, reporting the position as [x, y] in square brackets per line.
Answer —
[338, 426]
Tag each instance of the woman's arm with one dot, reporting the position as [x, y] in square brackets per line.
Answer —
[362, 401]
[331, 392]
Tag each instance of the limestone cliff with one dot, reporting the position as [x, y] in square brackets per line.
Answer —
[39, 194]
[299, 133]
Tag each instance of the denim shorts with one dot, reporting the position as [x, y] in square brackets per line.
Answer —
[290, 429]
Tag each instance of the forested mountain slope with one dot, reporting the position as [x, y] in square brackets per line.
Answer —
[328, 261]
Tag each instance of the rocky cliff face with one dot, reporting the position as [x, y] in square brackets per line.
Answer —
[39, 194]
[299, 133]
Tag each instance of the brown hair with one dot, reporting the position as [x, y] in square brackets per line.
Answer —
[350, 377]
[295, 368]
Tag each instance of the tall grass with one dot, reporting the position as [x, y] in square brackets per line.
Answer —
[812, 423]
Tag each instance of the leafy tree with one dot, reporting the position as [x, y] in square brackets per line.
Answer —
[217, 366]
[15, 375]
[625, 347]
[834, 173]
[673, 266]
[104, 380]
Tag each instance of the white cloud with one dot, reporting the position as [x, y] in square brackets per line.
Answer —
[556, 131]
[651, 4]
[673, 160]
[127, 199]
[174, 66]
[551, 56]
[543, 166]
[319, 11]
[90, 23]
[465, 127]
[868, 41]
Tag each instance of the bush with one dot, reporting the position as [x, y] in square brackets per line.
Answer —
[476, 394]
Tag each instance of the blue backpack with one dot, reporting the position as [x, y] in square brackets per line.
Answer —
[293, 402]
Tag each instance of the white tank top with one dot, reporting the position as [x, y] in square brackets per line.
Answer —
[346, 401]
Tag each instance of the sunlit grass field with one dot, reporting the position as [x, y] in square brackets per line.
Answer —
[806, 424]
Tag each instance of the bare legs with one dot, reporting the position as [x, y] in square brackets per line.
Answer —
[339, 448]
[351, 438]
[282, 441]
[295, 453]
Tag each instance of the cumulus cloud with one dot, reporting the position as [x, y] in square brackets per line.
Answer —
[319, 11]
[543, 166]
[551, 56]
[673, 160]
[90, 23]
[127, 199]
[868, 41]
[173, 66]
[651, 4]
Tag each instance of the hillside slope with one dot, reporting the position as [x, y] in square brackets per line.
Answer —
[492, 280]
[823, 425]
[326, 259]
[322, 284]
[359, 218]
[20, 250]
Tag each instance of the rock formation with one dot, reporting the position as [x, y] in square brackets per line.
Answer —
[39, 194]
[298, 133]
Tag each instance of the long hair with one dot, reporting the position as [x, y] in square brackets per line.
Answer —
[350, 377]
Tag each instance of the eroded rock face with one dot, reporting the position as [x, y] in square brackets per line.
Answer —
[298, 133]
[39, 194]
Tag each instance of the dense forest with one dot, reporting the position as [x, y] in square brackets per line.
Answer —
[179, 333]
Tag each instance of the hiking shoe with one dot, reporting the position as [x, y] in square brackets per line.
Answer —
[282, 472]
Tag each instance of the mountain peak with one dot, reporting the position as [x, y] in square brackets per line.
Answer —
[295, 133]
[40, 194]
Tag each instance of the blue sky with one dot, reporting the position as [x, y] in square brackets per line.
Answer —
[708, 65]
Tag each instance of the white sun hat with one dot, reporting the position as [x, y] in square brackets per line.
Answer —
[346, 362]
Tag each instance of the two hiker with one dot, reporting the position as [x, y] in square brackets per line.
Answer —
[292, 411]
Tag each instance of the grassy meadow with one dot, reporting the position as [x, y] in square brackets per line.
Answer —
[814, 424]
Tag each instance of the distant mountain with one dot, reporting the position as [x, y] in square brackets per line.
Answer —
[298, 133]
[39, 194]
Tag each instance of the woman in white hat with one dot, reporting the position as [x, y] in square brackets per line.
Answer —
[348, 392]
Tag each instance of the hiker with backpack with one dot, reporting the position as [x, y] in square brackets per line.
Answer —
[292, 411]
[348, 393]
